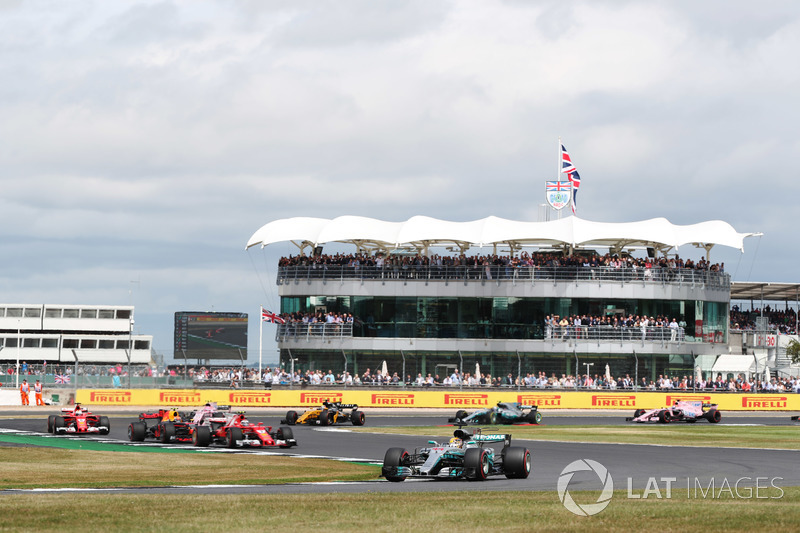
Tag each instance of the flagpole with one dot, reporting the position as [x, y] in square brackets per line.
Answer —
[260, 327]
[558, 172]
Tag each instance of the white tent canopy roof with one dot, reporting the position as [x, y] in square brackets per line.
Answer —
[733, 363]
[422, 232]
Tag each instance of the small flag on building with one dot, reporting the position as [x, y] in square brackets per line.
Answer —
[572, 175]
[269, 316]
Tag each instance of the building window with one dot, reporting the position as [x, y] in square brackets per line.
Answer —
[106, 344]
[88, 313]
[122, 345]
[106, 313]
[70, 313]
[33, 312]
[52, 313]
[70, 343]
[123, 313]
[14, 312]
[141, 345]
[49, 343]
[11, 342]
[30, 343]
[88, 344]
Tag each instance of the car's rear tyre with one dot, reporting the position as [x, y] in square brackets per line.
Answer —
[714, 416]
[395, 457]
[233, 435]
[517, 462]
[284, 434]
[537, 417]
[103, 421]
[476, 464]
[59, 422]
[491, 418]
[291, 417]
[358, 418]
[637, 413]
[663, 417]
[50, 420]
[461, 414]
[201, 436]
[137, 431]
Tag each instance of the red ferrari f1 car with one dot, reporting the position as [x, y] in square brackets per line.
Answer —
[680, 411]
[233, 429]
[77, 419]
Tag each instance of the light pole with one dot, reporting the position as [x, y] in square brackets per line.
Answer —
[587, 365]
[19, 341]
[130, 348]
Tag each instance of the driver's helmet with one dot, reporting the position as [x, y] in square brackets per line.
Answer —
[456, 442]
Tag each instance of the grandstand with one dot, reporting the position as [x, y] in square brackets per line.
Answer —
[431, 296]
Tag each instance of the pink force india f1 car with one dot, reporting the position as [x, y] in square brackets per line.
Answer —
[680, 411]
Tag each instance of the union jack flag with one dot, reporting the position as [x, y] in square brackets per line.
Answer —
[572, 175]
[269, 316]
[62, 378]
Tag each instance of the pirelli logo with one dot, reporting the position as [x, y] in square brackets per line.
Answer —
[466, 399]
[758, 402]
[388, 398]
[672, 398]
[613, 400]
[119, 397]
[319, 397]
[250, 398]
[540, 400]
[175, 398]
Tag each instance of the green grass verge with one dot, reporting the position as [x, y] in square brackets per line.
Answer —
[700, 434]
[519, 511]
[54, 468]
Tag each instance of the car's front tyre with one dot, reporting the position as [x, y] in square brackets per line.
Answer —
[476, 464]
[394, 457]
[137, 431]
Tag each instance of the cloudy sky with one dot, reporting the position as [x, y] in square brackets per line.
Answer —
[142, 143]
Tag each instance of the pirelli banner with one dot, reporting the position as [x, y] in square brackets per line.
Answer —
[439, 398]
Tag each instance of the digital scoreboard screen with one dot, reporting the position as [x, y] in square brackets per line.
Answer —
[210, 335]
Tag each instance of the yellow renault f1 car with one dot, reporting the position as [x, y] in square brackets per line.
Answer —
[329, 414]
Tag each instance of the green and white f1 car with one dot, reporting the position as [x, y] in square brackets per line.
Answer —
[466, 456]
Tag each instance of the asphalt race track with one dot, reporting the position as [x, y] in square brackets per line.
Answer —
[632, 465]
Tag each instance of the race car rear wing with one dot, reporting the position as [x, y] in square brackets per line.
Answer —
[493, 437]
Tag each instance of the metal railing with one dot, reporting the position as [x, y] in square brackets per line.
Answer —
[581, 334]
[615, 334]
[500, 273]
[317, 330]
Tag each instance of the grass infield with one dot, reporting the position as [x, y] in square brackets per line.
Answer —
[699, 434]
[422, 511]
[22, 467]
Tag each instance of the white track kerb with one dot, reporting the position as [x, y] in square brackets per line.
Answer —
[586, 509]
